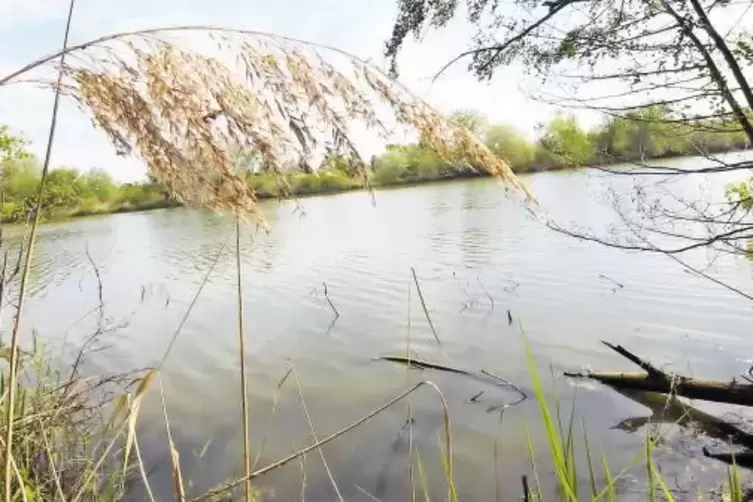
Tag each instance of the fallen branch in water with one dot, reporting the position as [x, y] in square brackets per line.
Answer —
[656, 380]
[418, 363]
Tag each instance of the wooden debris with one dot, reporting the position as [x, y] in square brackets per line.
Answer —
[656, 380]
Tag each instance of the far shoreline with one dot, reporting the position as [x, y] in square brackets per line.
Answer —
[356, 185]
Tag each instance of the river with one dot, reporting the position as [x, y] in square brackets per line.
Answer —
[476, 253]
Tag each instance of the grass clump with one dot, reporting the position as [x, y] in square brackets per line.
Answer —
[65, 448]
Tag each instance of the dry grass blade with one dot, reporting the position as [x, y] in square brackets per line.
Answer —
[180, 493]
[275, 465]
[185, 112]
[142, 470]
[134, 405]
[15, 334]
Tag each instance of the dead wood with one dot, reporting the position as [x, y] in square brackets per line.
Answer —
[657, 380]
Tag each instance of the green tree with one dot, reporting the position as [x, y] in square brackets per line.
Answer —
[506, 142]
[565, 143]
[12, 148]
[63, 189]
[98, 183]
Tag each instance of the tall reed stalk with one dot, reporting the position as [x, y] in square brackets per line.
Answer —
[242, 355]
[13, 362]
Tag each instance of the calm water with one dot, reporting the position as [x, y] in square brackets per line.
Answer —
[476, 253]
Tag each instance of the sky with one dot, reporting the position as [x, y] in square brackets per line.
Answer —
[32, 28]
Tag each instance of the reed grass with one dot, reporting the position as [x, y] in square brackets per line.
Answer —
[242, 356]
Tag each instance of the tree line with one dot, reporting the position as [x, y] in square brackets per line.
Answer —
[561, 143]
[68, 191]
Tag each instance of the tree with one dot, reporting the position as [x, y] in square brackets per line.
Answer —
[99, 184]
[63, 189]
[665, 73]
[565, 143]
[505, 141]
[472, 120]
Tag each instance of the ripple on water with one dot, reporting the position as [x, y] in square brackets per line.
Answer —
[476, 255]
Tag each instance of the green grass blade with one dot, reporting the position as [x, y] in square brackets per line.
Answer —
[591, 473]
[422, 478]
[610, 490]
[649, 468]
[554, 439]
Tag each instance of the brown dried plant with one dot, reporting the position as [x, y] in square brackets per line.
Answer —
[184, 110]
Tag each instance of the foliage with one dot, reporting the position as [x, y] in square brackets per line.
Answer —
[672, 76]
[651, 53]
[563, 143]
[506, 142]
[71, 193]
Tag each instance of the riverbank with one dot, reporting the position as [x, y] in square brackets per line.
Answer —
[324, 182]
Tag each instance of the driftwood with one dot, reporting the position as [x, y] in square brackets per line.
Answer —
[652, 379]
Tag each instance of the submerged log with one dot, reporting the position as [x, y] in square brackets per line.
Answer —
[657, 380]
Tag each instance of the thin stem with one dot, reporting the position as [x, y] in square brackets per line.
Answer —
[315, 436]
[13, 363]
[242, 355]
[423, 305]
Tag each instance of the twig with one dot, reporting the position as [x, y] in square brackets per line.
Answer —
[100, 321]
[488, 295]
[423, 306]
[332, 305]
[475, 397]
[13, 363]
[337, 434]
[99, 283]
[523, 395]
[526, 490]
[645, 365]
[242, 356]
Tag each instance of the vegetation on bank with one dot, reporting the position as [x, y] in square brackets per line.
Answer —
[562, 143]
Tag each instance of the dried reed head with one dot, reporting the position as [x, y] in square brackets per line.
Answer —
[184, 110]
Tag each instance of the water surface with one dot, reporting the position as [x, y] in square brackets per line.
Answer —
[477, 255]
